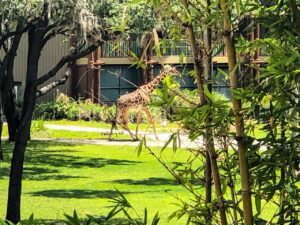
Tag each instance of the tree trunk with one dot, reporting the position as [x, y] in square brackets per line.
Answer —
[1, 129]
[239, 122]
[209, 140]
[35, 43]
[11, 114]
[15, 179]
[143, 52]
[207, 70]
[8, 95]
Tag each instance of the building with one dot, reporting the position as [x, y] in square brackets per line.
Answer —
[114, 73]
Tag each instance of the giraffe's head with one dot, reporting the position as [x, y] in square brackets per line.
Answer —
[171, 70]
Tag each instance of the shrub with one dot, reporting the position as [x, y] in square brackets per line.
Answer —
[65, 107]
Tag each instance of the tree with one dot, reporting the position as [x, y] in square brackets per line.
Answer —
[50, 19]
[12, 28]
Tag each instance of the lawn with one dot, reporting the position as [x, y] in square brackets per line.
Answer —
[61, 177]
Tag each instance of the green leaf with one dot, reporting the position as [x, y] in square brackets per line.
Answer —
[258, 203]
[155, 219]
[113, 212]
[140, 147]
[168, 142]
[127, 215]
[224, 186]
[145, 216]
[175, 143]
[135, 1]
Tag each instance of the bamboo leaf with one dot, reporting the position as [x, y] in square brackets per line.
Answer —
[155, 219]
[167, 143]
[145, 216]
[30, 220]
[140, 147]
[113, 212]
[174, 143]
[258, 203]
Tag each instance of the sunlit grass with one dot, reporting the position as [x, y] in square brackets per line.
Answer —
[61, 177]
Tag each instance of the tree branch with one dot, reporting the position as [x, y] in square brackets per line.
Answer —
[53, 33]
[47, 88]
[68, 58]
[4, 37]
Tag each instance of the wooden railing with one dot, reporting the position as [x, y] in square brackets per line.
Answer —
[125, 48]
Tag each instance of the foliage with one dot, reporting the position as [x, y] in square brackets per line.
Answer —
[271, 104]
[136, 19]
[65, 107]
[121, 205]
[276, 94]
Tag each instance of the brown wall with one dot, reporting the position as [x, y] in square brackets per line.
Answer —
[52, 53]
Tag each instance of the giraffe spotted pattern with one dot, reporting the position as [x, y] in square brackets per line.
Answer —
[138, 101]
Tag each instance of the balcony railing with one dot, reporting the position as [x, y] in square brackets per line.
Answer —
[168, 48]
[125, 48]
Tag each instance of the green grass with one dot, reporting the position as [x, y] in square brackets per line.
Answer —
[61, 177]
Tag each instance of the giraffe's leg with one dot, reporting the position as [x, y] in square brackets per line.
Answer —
[124, 123]
[138, 121]
[150, 118]
[113, 126]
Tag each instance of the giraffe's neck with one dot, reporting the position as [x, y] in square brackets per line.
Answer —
[148, 88]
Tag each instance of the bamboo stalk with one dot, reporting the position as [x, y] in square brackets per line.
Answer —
[239, 122]
[209, 139]
[207, 71]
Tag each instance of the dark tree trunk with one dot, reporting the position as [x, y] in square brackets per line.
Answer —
[35, 44]
[8, 97]
[207, 70]
[143, 50]
[1, 128]
[11, 114]
[150, 64]
[16, 171]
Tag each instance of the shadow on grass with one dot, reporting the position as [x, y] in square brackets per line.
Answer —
[152, 181]
[44, 163]
[70, 161]
[38, 173]
[77, 193]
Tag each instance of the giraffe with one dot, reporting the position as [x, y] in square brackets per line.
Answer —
[138, 101]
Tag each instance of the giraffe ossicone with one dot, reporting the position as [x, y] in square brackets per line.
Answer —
[138, 101]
